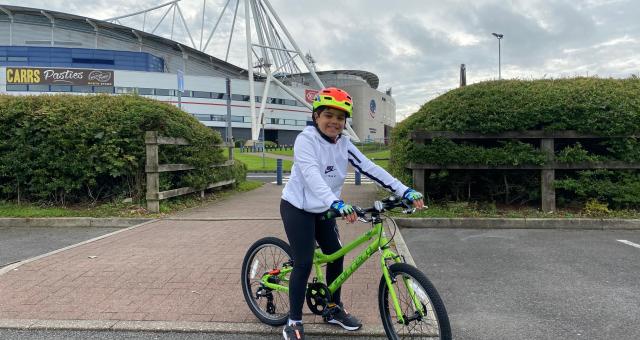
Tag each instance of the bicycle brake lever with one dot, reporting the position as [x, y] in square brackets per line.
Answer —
[409, 211]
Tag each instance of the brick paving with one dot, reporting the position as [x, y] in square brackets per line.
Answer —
[181, 269]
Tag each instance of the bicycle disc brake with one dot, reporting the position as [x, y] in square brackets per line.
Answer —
[318, 297]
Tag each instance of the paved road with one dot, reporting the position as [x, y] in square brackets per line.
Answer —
[107, 335]
[266, 177]
[534, 284]
[17, 244]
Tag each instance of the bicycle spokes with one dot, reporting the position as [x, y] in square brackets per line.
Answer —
[265, 277]
[416, 308]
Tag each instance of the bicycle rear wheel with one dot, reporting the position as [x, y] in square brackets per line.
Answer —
[267, 254]
[433, 323]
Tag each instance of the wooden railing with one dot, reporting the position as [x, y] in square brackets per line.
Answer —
[547, 170]
[153, 170]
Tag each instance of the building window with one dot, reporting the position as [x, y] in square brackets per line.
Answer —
[17, 59]
[60, 88]
[165, 92]
[92, 61]
[39, 88]
[16, 87]
[203, 117]
[126, 90]
[185, 93]
[103, 89]
[218, 95]
[201, 94]
[144, 91]
[219, 118]
[83, 89]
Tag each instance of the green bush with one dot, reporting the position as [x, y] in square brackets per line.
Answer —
[604, 107]
[595, 208]
[67, 148]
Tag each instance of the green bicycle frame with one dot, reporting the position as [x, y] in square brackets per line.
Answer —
[380, 242]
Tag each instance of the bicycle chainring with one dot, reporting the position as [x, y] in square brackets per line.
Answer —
[318, 297]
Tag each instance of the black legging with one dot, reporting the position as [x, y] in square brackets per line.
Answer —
[303, 229]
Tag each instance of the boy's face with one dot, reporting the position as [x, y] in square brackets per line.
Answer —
[331, 121]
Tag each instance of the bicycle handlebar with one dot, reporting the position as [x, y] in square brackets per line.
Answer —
[386, 204]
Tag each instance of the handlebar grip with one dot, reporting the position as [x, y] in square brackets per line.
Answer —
[331, 213]
[359, 211]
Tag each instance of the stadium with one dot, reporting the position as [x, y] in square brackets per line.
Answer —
[48, 52]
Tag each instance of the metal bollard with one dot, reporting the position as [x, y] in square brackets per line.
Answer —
[279, 171]
[358, 177]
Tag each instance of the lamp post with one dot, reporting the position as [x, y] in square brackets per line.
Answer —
[499, 36]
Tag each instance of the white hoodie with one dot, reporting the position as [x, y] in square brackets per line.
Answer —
[320, 167]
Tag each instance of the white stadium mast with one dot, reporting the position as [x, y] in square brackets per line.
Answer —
[277, 55]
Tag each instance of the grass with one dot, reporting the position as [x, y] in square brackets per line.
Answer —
[121, 209]
[489, 210]
[375, 155]
[254, 162]
[282, 152]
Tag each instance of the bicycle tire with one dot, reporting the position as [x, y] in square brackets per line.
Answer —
[431, 327]
[251, 285]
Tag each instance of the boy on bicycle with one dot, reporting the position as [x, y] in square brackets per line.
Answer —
[321, 155]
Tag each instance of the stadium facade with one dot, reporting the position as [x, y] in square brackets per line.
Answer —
[44, 51]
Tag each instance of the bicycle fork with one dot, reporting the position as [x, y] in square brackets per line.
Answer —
[403, 319]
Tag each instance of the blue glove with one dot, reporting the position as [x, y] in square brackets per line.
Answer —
[412, 195]
[339, 208]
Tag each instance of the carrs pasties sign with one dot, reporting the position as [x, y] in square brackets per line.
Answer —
[58, 76]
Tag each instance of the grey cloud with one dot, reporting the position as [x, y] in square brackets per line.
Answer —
[357, 34]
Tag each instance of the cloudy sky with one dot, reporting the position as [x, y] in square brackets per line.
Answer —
[416, 46]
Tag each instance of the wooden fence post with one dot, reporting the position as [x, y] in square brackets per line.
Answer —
[547, 177]
[419, 174]
[153, 176]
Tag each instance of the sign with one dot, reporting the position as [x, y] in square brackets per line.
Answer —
[58, 76]
[372, 108]
[180, 81]
[309, 95]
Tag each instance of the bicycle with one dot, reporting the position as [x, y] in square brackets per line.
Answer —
[407, 300]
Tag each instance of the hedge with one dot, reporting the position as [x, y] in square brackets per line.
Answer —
[603, 107]
[68, 148]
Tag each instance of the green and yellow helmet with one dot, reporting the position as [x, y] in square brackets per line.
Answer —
[335, 98]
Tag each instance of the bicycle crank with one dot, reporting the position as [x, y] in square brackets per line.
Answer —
[318, 297]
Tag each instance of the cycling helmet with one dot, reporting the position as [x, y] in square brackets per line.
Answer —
[335, 98]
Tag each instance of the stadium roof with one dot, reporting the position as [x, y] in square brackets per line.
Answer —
[25, 15]
[369, 77]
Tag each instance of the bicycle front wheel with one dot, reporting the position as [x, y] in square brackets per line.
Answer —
[265, 255]
[423, 313]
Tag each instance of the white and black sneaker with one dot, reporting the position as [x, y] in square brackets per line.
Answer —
[293, 332]
[337, 315]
